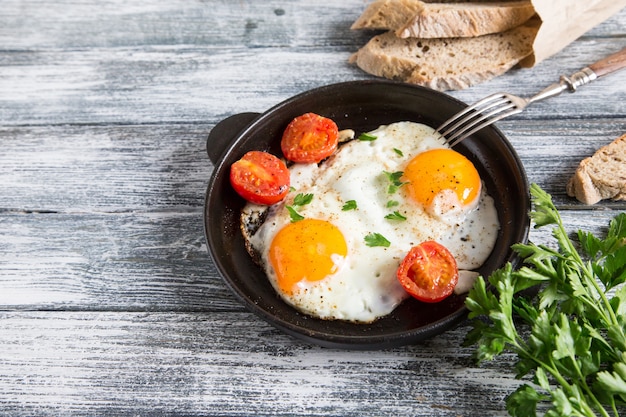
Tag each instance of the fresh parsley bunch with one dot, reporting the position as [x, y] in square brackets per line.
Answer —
[570, 338]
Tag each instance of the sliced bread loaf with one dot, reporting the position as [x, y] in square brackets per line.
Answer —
[414, 18]
[445, 64]
[601, 176]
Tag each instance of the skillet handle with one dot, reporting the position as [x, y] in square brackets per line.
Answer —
[224, 132]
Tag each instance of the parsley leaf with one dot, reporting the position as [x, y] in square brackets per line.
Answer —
[349, 205]
[395, 182]
[298, 201]
[395, 216]
[376, 239]
[366, 137]
[295, 216]
[302, 199]
[398, 151]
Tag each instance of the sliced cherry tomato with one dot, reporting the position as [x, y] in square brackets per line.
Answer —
[310, 138]
[260, 178]
[429, 272]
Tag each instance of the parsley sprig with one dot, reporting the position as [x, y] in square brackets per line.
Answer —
[376, 239]
[298, 201]
[570, 337]
[366, 137]
[396, 215]
[395, 181]
[349, 205]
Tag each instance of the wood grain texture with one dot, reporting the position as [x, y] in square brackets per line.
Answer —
[221, 365]
[165, 77]
[120, 168]
[174, 84]
[104, 168]
[134, 261]
[109, 302]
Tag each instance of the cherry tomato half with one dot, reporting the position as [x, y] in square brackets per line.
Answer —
[310, 138]
[429, 272]
[260, 178]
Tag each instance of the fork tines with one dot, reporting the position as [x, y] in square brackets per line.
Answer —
[481, 114]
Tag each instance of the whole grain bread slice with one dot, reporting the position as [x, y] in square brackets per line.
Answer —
[445, 64]
[601, 176]
[414, 18]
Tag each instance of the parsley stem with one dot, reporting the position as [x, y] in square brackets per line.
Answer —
[605, 310]
[607, 306]
[583, 382]
[590, 281]
[589, 277]
[571, 255]
[560, 379]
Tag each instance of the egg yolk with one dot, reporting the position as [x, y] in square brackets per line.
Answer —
[438, 171]
[306, 250]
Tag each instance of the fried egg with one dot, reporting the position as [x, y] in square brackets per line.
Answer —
[332, 247]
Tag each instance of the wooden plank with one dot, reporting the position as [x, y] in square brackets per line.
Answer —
[97, 168]
[36, 24]
[244, 24]
[133, 261]
[173, 84]
[170, 79]
[101, 168]
[228, 364]
[139, 261]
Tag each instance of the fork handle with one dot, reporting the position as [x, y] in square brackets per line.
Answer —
[605, 66]
[610, 64]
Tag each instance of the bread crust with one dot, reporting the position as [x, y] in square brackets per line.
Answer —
[465, 20]
[445, 64]
[601, 176]
[387, 14]
[414, 18]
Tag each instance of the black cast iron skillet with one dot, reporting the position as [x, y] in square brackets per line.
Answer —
[361, 106]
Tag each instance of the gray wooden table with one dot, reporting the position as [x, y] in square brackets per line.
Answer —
[109, 302]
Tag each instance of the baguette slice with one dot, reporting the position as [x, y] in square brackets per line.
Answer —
[445, 64]
[601, 176]
[414, 18]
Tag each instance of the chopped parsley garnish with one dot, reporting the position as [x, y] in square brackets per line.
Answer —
[295, 216]
[367, 137]
[392, 203]
[349, 205]
[398, 151]
[298, 201]
[302, 199]
[394, 179]
[376, 239]
[395, 216]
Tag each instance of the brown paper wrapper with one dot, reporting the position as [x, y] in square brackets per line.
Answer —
[563, 21]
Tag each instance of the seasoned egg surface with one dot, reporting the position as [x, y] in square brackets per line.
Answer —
[332, 247]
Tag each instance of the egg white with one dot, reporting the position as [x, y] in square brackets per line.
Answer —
[364, 286]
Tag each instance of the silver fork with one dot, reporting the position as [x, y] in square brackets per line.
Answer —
[500, 105]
